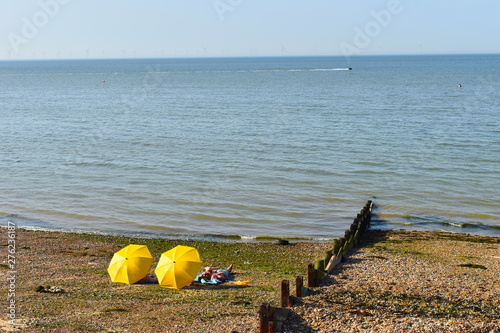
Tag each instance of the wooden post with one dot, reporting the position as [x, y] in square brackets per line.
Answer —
[299, 283]
[264, 317]
[285, 293]
[319, 266]
[311, 276]
[328, 255]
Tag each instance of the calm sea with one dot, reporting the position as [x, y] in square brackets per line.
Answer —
[285, 147]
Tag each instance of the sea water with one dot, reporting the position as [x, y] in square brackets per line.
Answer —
[283, 147]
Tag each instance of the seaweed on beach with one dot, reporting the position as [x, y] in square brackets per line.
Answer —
[472, 266]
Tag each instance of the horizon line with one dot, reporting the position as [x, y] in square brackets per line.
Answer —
[252, 56]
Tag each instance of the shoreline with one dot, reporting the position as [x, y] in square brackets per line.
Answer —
[76, 263]
[378, 221]
[476, 230]
[177, 237]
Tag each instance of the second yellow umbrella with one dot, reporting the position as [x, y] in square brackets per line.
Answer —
[178, 267]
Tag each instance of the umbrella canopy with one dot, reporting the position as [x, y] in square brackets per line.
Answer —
[130, 264]
[178, 267]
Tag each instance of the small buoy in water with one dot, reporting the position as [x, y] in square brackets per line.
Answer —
[459, 85]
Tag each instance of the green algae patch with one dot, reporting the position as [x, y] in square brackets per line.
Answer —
[472, 266]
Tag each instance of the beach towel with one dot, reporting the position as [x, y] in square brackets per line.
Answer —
[211, 281]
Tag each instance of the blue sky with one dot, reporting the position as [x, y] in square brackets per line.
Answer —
[168, 28]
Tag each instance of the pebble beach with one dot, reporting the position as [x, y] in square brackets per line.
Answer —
[392, 281]
[408, 282]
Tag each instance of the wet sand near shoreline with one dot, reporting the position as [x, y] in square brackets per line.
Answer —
[392, 281]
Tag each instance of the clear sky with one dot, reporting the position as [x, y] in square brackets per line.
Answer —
[214, 28]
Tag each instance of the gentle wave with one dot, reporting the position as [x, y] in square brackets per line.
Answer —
[156, 232]
[69, 215]
[411, 222]
[468, 216]
[452, 225]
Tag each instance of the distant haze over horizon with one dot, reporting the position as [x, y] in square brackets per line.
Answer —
[70, 29]
[262, 56]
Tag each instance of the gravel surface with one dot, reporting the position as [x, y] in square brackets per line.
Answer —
[408, 282]
[62, 285]
[391, 282]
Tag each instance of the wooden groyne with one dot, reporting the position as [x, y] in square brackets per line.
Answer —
[271, 318]
[351, 237]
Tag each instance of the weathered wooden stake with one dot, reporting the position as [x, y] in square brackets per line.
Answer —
[299, 283]
[311, 276]
[328, 255]
[285, 293]
[264, 312]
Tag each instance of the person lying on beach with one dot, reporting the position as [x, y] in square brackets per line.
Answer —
[148, 279]
[215, 275]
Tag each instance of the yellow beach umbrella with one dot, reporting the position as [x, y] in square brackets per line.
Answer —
[178, 267]
[130, 264]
